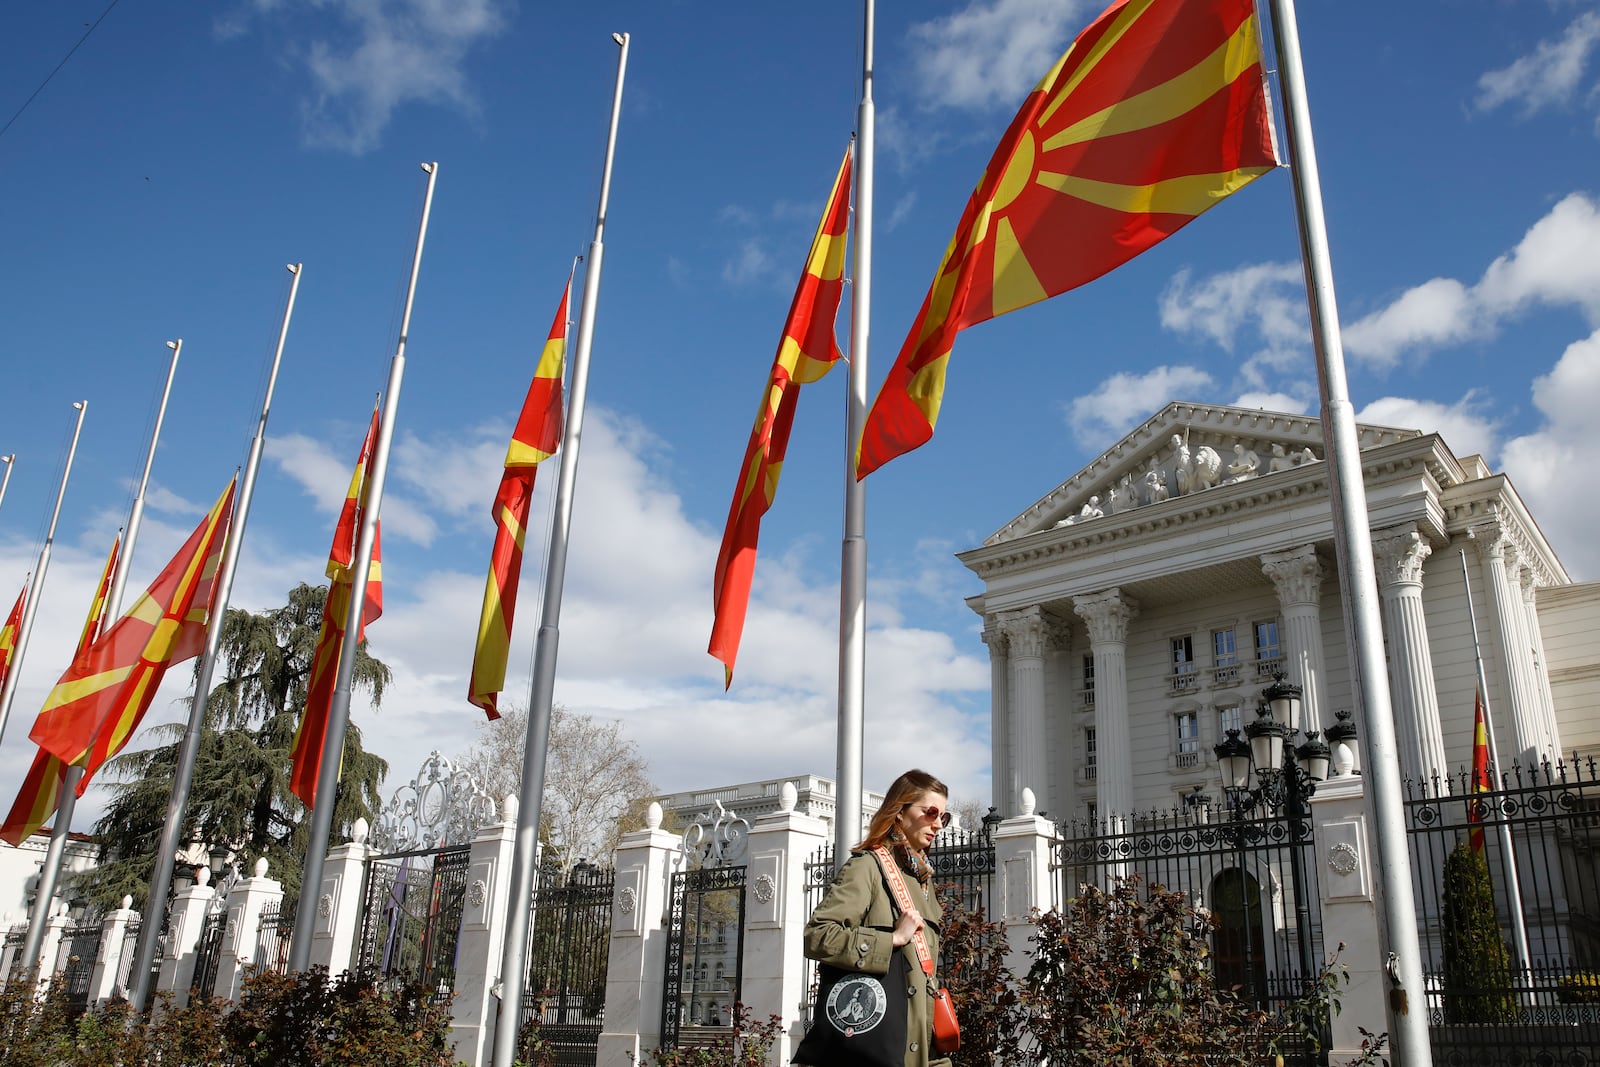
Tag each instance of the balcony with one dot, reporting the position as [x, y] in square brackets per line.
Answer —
[1088, 771]
[1268, 663]
[1086, 699]
[1184, 679]
[1226, 674]
[1186, 760]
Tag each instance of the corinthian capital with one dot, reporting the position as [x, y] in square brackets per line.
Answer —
[1493, 540]
[1027, 632]
[994, 635]
[1399, 554]
[1296, 574]
[1107, 615]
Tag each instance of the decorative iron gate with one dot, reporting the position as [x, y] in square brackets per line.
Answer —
[411, 918]
[272, 937]
[80, 947]
[705, 930]
[568, 948]
[208, 955]
[1532, 841]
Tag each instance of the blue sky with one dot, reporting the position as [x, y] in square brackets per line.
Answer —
[157, 185]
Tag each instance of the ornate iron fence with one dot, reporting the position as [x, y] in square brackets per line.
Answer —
[705, 929]
[411, 917]
[208, 955]
[80, 947]
[272, 937]
[1532, 843]
[569, 943]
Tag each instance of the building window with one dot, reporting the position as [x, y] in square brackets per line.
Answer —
[1229, 718]
[1269, 653]
[1225, 657]
[1186, 728]
[1092, 813]
[1087, 692]
[1089, 765]
[1183, 676]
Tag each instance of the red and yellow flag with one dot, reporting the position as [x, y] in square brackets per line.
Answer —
[1481, 781]
[806, 352]
[40, 794]
[1155, 113]
[536, 438]
[313, 727]
[100, 700]
[8, 633]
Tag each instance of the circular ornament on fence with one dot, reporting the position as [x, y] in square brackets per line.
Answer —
[477, 893]
[1343, 858]
[627, 900]
[857, 1004]
[324, 905]
[765, 889]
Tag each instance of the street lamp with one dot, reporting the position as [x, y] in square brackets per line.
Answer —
[218, 861]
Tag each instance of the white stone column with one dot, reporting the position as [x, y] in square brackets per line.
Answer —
[1399, 555]
[1297, 576]
[1107, 615]
[188, 919]
[481, 942]
[636, 965]
[114, 943]
[1541, 669]
[1024, 880]
[338, 925]
[1026, 633]
[773, 975]
[1345, 860]
[1498, 556]
[246, 902]
[1003, 787]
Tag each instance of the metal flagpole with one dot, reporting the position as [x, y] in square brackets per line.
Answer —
[541, 689]
[67, 799]
[8, 692]
[853, 550]
[305, 916]
[1508, 858]
[8, 461]
[1408, 1016]
[189, 749]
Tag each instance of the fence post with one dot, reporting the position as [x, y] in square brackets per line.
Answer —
[50, 948]
[333, 938]
[482, 937]
[183, 937]
[773, 973]
[245, 905]
[636, 964]
[1349, 913]
[1023, 854]
[107, 963]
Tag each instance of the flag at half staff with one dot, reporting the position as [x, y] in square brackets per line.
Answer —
[40, 795]
[536, 438]
[307, 752]
[806, 352]
[1156, 112]
[101, 699]
[8, 633]
[1481, 782]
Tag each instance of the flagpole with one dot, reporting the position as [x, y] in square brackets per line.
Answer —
[67, 798]
[8, 692]
[1408, 1014]
[8, 461]
[305, 916]
[541, 688]
[189, 749]
[1508, 861]
[853, 549]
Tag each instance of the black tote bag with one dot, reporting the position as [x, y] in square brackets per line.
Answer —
[859, 1019]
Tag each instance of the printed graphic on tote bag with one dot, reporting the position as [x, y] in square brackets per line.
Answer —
[856, 1004]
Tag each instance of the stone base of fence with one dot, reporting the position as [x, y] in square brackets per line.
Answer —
[481, 942]
[188, 918]
[1345, 869]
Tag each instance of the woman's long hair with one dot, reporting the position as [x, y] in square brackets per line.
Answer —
[902, 794]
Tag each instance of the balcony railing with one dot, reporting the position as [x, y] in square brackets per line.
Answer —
[1267, 663]
[1184, 679]
[1089, 772]
[1086, 699]
[1226, 674]
[1183, 760]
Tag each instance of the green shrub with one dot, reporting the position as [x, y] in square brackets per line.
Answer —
[745, 1044]
[1477, 967]
[1580, 988]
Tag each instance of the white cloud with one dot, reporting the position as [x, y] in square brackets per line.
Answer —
[1295, 405]
[1263, 299]
[992, 52]
[1123, 399]
[1556, 263]
[375, 57]
[750, 265]
[1462, 425]
[1550, 76]
[1546, 465]
[325, 477]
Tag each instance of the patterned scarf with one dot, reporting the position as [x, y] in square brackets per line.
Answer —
[912, 861]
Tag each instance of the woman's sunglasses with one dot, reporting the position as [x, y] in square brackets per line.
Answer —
[929, 814]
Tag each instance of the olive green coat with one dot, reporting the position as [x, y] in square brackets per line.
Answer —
[853, 929]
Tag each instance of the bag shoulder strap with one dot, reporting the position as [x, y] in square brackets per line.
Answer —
[902, 897]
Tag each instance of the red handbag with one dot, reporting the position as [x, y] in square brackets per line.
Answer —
[946, 1029]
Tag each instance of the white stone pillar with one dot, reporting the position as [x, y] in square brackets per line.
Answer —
[773, 974]
[188, 919]
[114, 944]
[1530, 738]
[50, 963]
[1026, 632]
[1297, 576]
[246, 902]
[481, 943]
[1107, 615]
[636, 965]
[1345, 857]
[1024, 880]
[1399, 555]
[1003, 787]
[1541, 669]
[338, 924]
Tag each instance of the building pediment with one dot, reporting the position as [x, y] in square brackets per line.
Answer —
[1182, 450]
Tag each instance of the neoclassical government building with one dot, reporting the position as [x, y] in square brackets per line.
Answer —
[1134, 613]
